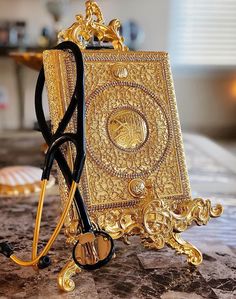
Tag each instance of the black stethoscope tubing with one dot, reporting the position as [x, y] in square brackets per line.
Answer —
[77, 101]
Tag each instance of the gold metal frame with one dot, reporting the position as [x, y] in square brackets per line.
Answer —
[92, 25]
[154, 203]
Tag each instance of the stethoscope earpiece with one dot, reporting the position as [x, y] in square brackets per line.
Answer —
[44, 262]
[6, 249]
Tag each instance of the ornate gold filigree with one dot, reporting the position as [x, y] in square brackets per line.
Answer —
[165, 208]
[198, 210]
[135, 180]
[157, 224]
[64, 280]
[181, 246]
[92, 25]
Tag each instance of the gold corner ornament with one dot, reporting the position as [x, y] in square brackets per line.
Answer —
[84, 29]
[135, 180]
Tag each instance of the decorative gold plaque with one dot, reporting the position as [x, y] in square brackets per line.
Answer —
[135, 180]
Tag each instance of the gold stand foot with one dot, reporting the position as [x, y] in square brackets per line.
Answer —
[183, 247]
[64, 280]
[164, 224]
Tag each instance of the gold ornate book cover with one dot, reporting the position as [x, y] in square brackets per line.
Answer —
[132, 129]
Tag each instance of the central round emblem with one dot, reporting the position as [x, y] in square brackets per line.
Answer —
[127, 129]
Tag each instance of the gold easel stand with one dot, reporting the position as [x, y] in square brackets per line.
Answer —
[157, 221]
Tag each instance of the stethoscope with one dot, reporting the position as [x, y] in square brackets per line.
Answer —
[93, 247]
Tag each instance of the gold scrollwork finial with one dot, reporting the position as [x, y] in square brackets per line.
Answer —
[84, 29]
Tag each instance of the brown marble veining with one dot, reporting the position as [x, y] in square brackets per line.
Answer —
[135, 272]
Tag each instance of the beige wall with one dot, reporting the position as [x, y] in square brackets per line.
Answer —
[205, 101]
[203, 97]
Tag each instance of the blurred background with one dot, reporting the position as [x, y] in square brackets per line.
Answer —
[199, 35]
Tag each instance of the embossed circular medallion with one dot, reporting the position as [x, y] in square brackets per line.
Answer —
[137, 187]
[127, 128]
[119, 71]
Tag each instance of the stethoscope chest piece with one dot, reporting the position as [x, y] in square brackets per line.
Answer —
[93, 250]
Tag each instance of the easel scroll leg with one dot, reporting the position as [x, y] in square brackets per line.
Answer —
[64, 279]
[183, 247]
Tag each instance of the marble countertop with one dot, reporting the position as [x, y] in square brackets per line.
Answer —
[135, 272]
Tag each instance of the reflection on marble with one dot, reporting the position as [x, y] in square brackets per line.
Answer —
[135, 272]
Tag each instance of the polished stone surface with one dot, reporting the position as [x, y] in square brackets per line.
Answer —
[135, 272]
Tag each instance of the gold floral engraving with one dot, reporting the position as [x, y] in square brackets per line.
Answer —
[127, 129]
